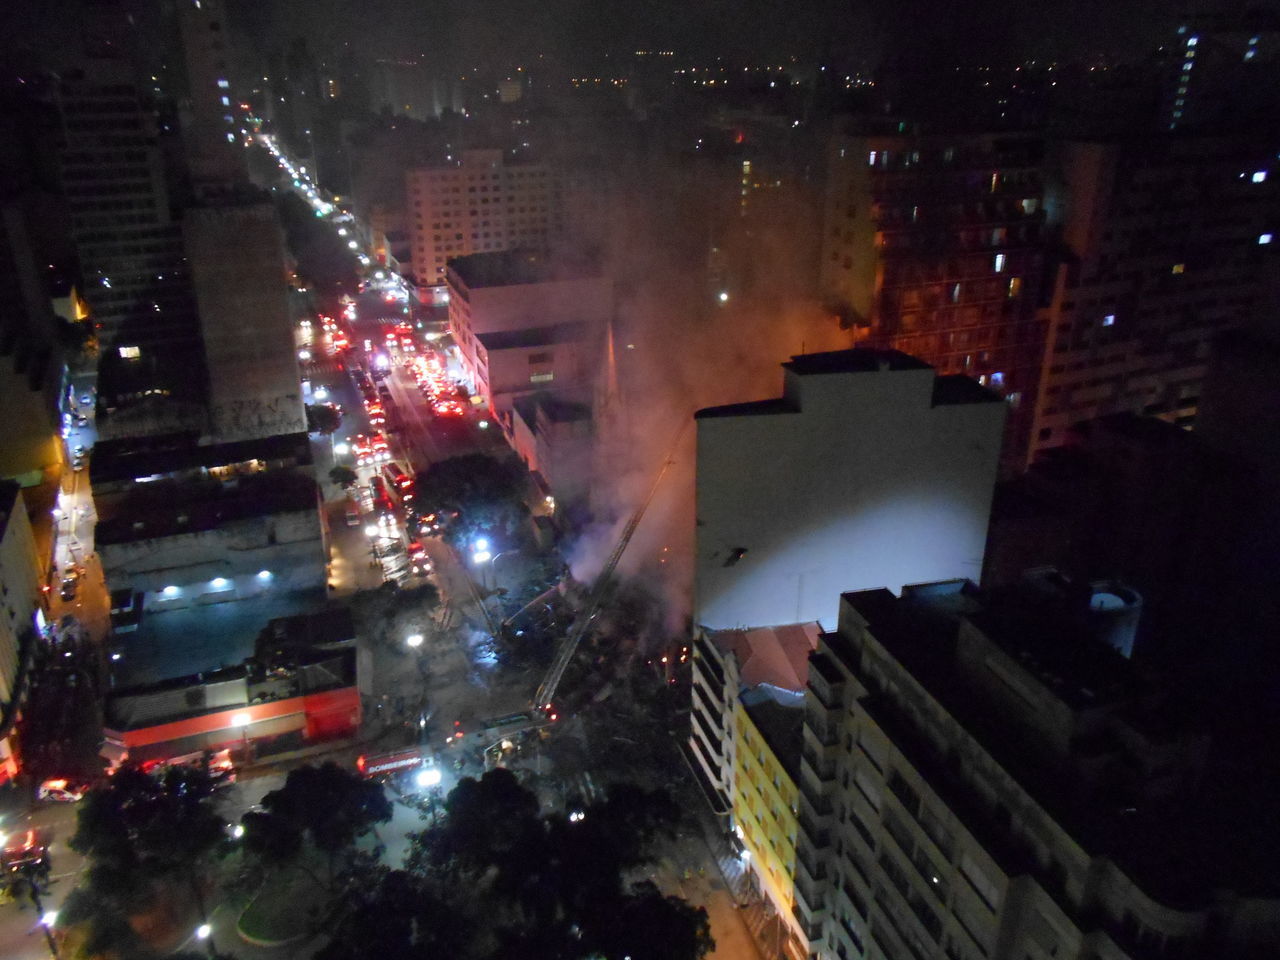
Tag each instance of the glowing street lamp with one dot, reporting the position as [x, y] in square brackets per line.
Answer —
[723, 296]
[414, 640]
[427, 777]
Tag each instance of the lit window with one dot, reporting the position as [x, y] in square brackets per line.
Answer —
[1250, 53]
[1192, 41]
[1259, 176]
[1030, 205]
[171, 591]
[995, 181]
[542, 377]
[130, 353]
[231, 138]
[223, 84]
[1264, 238]
[1187, 65]
[871, 159]
[997, 379]
[955, 293]
[1109, 320]
[1179, 269]
[1015, 286]
[999, 263]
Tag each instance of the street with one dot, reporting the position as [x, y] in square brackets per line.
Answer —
[435, 690]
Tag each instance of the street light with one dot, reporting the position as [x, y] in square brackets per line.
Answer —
[428, 777]
[50, 918]
[414, 640]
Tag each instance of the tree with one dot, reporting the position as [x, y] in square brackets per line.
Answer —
[322, 418]
[326, 808]
[144, 836]
[485, 492]
[343, 476]
[496, 878]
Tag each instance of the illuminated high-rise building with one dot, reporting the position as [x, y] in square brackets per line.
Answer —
[128, 239]
[210, 132]
[1166, 241]
[932, 245]
[1225, 72]
[479, 204]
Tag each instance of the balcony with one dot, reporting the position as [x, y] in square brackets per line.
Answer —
[810, 900]
[826, 682]
[821, 769]
[810, 869]
[815, 833]
[812, 930]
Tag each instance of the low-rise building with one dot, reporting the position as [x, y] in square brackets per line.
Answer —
[182, 524]
[554, 438]
[526, 321]
[243, 708]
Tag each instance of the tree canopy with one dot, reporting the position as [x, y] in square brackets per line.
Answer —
[486, 493]
[343, 476]
[143, 836]
[322, 418]
[327, 808]
[494, 877]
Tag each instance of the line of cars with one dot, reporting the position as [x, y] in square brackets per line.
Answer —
[428, 371]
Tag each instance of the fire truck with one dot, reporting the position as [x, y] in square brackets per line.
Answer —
[411, 767]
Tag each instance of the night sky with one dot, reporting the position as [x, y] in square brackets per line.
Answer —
[582, 31]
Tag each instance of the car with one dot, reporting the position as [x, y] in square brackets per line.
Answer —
[69, 585]
[80, 450]
[86, 399]
[77, 464]
[353, 515]
[82, 421]
[60, 790]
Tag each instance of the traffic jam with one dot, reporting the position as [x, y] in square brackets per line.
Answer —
[383, 502]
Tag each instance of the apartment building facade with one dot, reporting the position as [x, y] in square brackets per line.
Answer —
[129, 243]
[479, 203]
[1167, 241]
[981, 779]
[933, 245]
[746, 718]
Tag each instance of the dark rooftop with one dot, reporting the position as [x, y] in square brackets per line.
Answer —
[557, 410]
[755, 408]
[856, 360]
[532, 336]
[780, 724]
[168, 508]
[508, 268]
[126, 459]
[956, 388]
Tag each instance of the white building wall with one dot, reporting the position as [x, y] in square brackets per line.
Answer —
[865, 485]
